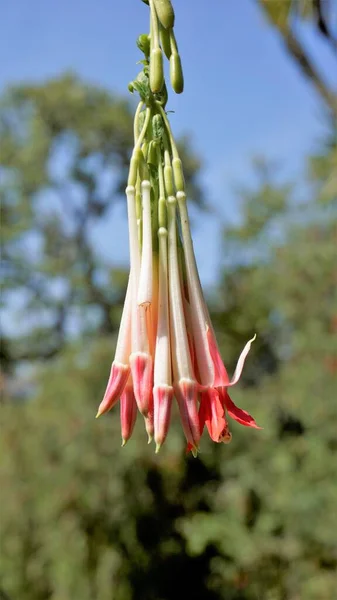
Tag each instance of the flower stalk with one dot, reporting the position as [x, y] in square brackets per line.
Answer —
[166, 346]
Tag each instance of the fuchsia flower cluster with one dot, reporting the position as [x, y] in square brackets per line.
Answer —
[166, 346]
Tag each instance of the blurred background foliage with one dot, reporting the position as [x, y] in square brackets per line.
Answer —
[81, 518]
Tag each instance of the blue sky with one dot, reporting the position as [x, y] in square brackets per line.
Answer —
[243, 95]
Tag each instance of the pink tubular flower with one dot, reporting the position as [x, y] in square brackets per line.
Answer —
[120, 368]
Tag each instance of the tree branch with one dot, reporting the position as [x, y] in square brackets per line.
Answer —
[308, 69]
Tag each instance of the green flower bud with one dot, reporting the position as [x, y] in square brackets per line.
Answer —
[165, 13]
[130, 87]
[157, 127]
[138, 203]
[152, 157]
[176, 73]
[143, 44]
[168, 179]
[165, 41]
[162, 213]
[141, 84]
[156, 70]
[178, 175]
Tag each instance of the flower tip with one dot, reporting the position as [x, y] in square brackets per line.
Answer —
[123, 442]
[99, 413]
[158, 446]
[149, 438]
[194, 451]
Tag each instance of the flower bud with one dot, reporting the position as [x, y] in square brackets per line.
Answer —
[165, 13]
[152, 157]
[168, 179]
[157, 128]
[162, 217]
[156, 70]
[143, 44]
[178, 175]
[176, 73]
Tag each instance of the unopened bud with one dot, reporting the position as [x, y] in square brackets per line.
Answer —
[176, 73]
[152, 156]
[165, 13]
[156, 70]
[143, 44]
[162, 219]
[157, 127]
[168, 179]
[178, 175]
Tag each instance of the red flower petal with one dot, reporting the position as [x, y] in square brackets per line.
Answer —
[211, 413]
[236, 413]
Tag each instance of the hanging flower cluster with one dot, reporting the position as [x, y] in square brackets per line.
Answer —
[166, 345]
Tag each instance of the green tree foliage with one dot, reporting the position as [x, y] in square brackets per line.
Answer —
[255, 519]
[285, 16]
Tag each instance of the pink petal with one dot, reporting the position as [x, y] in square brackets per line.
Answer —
[220, 372]
[241, 362]
[211, 413]
[221, 376]
[118, 377]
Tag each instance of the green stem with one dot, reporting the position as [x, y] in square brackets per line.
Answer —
[144, 129]
[135, 122]
[173, 42]
[175, 152]
[154, 26]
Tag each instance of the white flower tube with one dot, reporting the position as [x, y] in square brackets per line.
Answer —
[145, 278]
[163, 390]
[141, 362]
[185, 386]
[199, 313]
